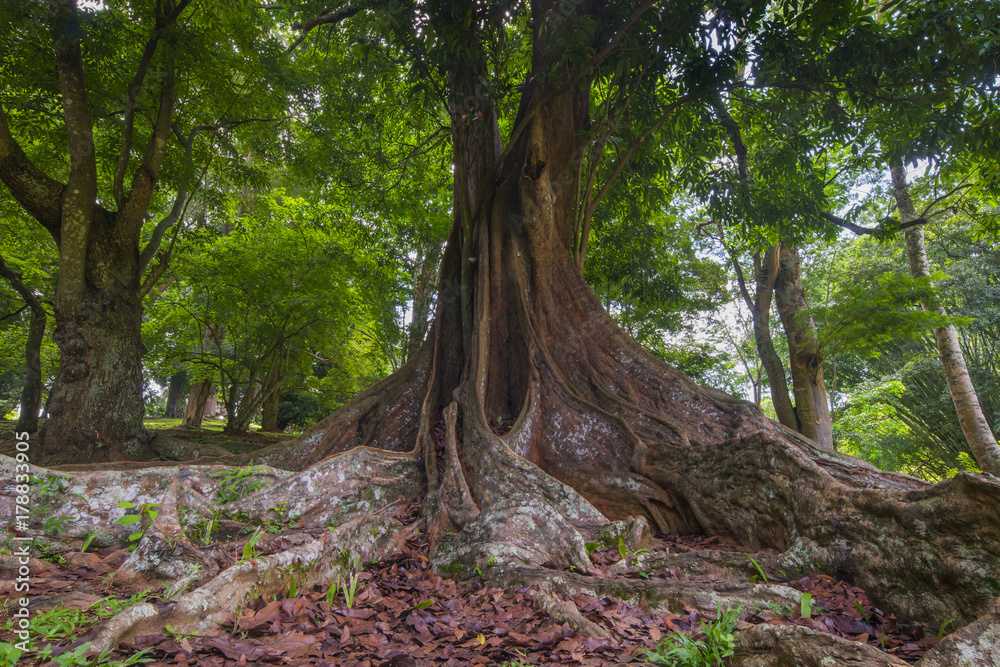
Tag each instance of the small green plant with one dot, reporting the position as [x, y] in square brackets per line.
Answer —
[331, 593]
[86, 542]
[716, 644]
[110, 606]
[239, 483]
[349, 590]
[756, 566]
[9, 655]
[48, 552]
[78, 658]
[806, 606]
[292, 589]
[423, 604]
[54, 525]
[941, 630]
[52, 484]
[57, 623]
[250, 548]
[145, 517]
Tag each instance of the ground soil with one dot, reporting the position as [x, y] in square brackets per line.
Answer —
[401, 611]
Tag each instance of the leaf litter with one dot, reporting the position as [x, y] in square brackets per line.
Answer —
[403, 615]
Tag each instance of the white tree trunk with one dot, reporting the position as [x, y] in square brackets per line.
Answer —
[977, 431]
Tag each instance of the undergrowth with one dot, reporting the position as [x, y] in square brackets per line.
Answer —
[711, 646]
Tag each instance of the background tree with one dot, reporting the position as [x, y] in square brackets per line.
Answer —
[183, 76]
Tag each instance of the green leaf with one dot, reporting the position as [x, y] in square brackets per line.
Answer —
[806, 606]
[128, 520]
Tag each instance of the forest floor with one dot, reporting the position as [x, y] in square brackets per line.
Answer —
[399, 614]
[211, 433]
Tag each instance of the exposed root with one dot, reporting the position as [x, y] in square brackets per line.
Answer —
[975, 645]
[566, 611]
[706, 597]
[314, 562]
[796, 646]
[165, 554]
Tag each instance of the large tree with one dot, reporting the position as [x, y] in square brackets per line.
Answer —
[118, 106]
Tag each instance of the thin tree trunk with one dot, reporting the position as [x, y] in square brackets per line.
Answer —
[424, 284]
[174, 388]
[31, 392]
[765, 274]
[195, 410]
[269, 412]
[244, 411]
[269, 402]
[811, 405]
[977, 430]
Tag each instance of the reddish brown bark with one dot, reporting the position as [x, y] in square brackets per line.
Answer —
[603, 430]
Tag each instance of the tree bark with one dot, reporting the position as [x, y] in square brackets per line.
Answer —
[976, 428]
[195, 410]
[269, 412]
[765, 275]
[31, 391]
[174, 387]
[428, 259]
[96, 404]
[811, 405]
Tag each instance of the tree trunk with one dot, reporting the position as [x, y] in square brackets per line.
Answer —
[242, 412]
[805, 354]
[766, 274]
[269, 401]
[599, 429]
[31, 393]
[269, 412]
[195, 410]
[94, 411]
[174, 387]
[977, 430]
[423, 290]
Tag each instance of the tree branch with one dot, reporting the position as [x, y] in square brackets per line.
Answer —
[329, 18]
[79, 198]
[130, 98]
[15, 281]
[34, 191]
[137, 203]
[599, 57]
[162, 22]
[180, 201]
[859, 230]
